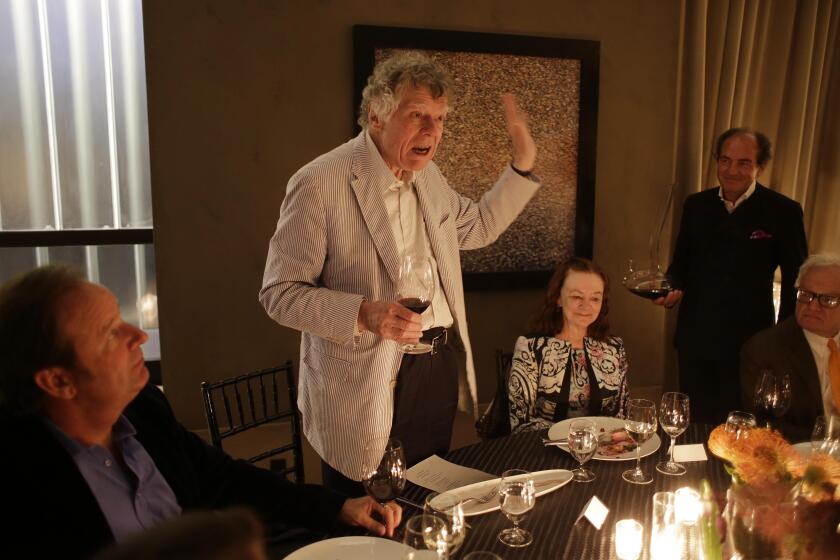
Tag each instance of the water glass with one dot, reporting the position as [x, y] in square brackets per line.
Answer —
[516, 498]
[449, 509]
[482, 555]
[825, 437]
[426, 536]
[640, 423]
[583, 443]
[740, 423]
[663, 523]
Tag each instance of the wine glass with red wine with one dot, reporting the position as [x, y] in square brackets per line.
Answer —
[384, 469]
[649, 283]
[772, 396]
[415, 291]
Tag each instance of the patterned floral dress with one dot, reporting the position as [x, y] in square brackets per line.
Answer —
[550, 381]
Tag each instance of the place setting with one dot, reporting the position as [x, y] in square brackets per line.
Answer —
[628, 439]
[614, 443]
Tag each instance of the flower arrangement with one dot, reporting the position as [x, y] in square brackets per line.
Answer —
[781, 504]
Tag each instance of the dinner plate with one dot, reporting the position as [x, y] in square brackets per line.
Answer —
[605, 424]
[351, 548]
[544, 482]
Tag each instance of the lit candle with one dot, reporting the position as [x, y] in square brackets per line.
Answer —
[628, 539]
[688, 506]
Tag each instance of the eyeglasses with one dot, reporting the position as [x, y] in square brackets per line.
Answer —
[828, 301]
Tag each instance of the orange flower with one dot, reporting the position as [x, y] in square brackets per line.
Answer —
[720, 443]
[765, 457]
[821, 478]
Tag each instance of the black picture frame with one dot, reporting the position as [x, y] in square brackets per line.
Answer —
[367, 39]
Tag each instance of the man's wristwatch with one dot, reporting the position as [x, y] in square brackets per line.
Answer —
[527, 174]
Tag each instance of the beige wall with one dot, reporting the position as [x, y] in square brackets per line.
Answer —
[242, 93]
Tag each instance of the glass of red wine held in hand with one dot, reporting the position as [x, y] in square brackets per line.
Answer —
[384, 469]
[415, 291]
[772, 396]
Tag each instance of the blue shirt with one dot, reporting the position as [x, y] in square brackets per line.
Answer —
[131, 493]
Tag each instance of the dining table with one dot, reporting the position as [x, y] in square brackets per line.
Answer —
[558, 531]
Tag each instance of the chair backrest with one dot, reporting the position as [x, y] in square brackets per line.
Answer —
[241, 403]
[495, 422]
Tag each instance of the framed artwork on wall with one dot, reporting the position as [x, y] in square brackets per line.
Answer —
[556, 82]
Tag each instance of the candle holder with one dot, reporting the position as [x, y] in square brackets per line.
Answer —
[687, 505]
[628, 539]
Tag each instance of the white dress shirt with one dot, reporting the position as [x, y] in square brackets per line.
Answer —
[731, 206]
[410, 234]
[819, 348]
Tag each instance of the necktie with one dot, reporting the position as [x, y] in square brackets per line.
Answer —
[834, 371]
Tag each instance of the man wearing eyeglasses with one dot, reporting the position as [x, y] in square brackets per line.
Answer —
[731, 241]
[804, 347]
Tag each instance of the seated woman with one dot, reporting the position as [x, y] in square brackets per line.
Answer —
[570, 366]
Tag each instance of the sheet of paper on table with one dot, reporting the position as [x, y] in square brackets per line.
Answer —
[691, 452]
[440, 475]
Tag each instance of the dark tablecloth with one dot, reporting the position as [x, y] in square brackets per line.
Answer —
[552, 521]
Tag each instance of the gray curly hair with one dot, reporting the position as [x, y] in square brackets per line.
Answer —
[384, 87]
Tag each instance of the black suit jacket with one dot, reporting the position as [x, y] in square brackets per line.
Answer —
[725, 264]
[784, 349]
[51, 512]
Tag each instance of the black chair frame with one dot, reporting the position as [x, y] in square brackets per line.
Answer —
[251, 400]
[495, 422]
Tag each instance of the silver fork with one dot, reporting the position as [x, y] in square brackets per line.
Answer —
[484, 498]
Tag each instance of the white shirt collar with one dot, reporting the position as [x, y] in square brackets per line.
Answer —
[381, 169]
[731, 206]
[817, 341]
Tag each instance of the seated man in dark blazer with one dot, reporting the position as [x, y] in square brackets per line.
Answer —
[804, 347]
[93, 454]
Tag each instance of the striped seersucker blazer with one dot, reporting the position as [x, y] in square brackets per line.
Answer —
[334, 246]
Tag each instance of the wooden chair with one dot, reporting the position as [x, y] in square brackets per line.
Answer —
[495, 422]
[251, 400]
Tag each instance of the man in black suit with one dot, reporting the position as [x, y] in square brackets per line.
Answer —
[731, 241]
[92, 454]
[801, 346]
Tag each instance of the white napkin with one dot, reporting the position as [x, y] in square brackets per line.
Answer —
[691, 452]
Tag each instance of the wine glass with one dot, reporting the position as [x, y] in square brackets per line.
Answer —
[649, 283]
[415, 290]
[425, 535]
[740, 423]
[384, 469]
[772, 395]
[516, 498]
[825, 437]
[640, 423]
[583, 443]
[482, 555]
[673, 417]
[449, 509]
